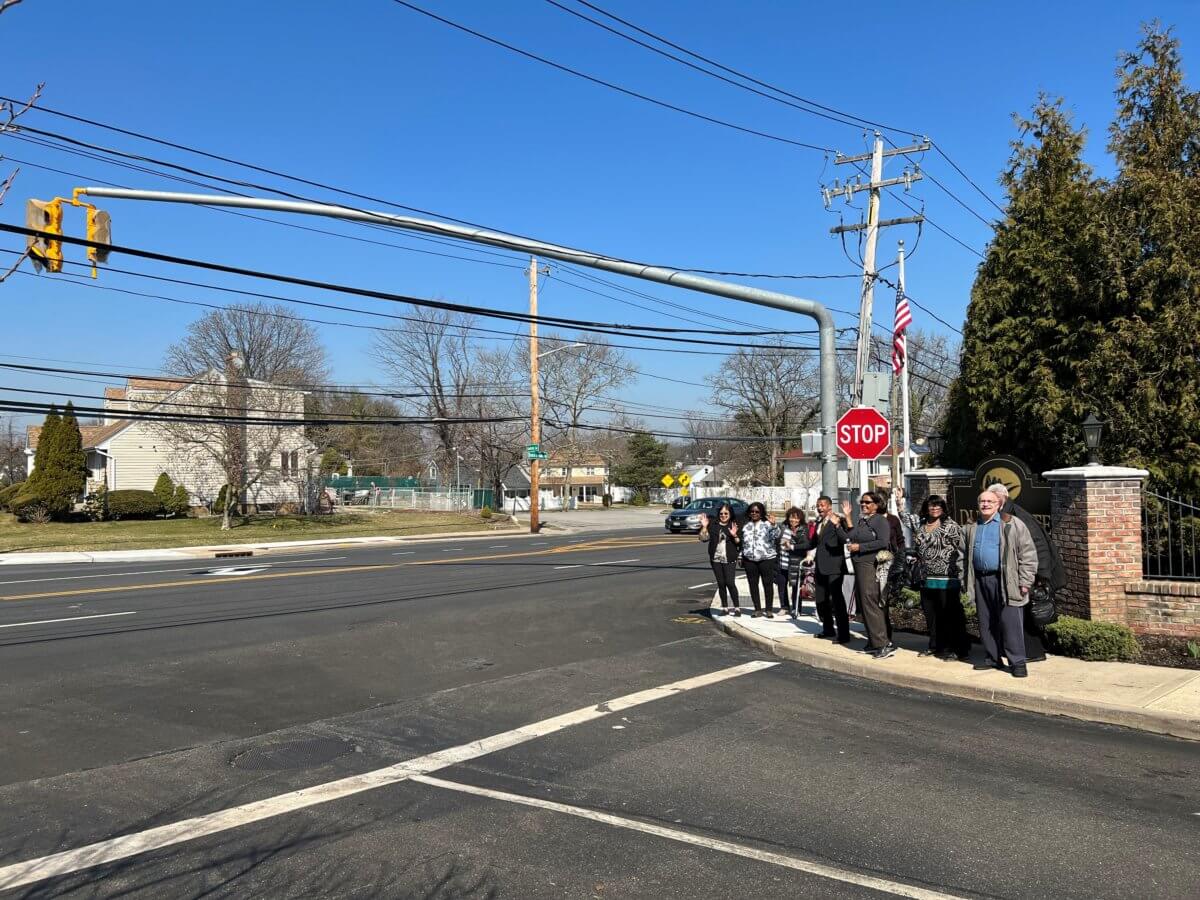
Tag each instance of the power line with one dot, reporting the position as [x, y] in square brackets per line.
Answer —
[611, 85]
[311, 183]
[986, 196]
[618, 329]
[858, 120]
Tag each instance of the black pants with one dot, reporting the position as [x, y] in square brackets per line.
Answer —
[870, 602]
[761, 570]
[831, 605]
[999, 624]
[946, 620]
[726, 575]
[785, 579]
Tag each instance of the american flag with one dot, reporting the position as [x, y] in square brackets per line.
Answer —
[899, 340]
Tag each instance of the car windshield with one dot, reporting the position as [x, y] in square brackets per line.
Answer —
[699, 505]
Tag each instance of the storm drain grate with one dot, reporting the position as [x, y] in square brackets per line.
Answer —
[292, 755]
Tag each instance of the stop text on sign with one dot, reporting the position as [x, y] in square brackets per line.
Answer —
[862, 434]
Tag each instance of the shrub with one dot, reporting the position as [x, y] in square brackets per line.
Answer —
[1085, 639]
[133, 505]
[181, 501]
[95, 505]
[7, 494]
[639, 499]
[219, 503]
[30, 504]
[60, 465]
[485, 512]
[164, 490]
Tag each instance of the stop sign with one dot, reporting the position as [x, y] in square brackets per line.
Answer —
[863, 433]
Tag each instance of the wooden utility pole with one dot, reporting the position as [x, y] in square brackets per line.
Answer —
[535, 425]
[872, 227]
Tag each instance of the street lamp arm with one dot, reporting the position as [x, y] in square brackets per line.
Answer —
[556, 349]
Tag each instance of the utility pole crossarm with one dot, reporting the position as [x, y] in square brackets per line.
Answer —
[885, 223]
[899, 151]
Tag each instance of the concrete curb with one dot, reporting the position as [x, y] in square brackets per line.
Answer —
[201, 552]
[1176, 725]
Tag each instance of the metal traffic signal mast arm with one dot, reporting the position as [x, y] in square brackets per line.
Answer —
[810, 308]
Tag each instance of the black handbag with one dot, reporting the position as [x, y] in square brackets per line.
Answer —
[915, 574]
[1042, 610]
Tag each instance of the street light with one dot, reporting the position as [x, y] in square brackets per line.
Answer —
[1092, 429]
[556, 349]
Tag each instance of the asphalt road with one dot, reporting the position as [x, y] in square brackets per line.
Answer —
[470, 718]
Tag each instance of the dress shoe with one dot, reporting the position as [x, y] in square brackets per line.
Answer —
[986, 664]
[1019, 671]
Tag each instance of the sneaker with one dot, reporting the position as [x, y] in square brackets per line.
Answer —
[884, 652]
[1019, 671]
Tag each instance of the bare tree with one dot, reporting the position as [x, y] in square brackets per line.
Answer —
[374, 448]
[9, 113]
[12, 452]
[574, 381]
[273, 344]
[497, 443]
[771, 393]
[429, 363]
[933, 366]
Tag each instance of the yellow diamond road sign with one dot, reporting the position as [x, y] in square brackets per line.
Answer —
[667, 481]
[684, 479]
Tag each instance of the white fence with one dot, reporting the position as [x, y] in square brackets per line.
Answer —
[404, 498]
[773, 498]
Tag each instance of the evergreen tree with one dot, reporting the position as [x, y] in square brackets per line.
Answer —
[644, 464]
[164, 490]
[46, 438]
[181, 501]
[1145, 375]
[60, 466]
[1037, 306]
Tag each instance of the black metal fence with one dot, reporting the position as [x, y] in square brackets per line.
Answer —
[1169, 537]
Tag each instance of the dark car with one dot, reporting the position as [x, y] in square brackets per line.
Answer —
[687, 520]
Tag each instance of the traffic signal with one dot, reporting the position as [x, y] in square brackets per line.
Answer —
[45, 215]
[99, 229]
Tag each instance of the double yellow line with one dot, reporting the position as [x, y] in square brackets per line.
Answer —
[603, 544]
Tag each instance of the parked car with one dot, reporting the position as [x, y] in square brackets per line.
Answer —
[687, 520]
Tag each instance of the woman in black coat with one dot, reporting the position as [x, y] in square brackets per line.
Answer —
[865, 538]
[724, 545]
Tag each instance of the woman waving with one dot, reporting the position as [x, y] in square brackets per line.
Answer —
[723, 547]
[759, 557]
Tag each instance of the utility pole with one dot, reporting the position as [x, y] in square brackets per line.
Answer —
[535, 425]
[871, 227]
[906, 431]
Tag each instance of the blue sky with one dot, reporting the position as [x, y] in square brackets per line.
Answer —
[379, 99]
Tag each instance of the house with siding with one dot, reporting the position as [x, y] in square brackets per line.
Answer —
[129, 453]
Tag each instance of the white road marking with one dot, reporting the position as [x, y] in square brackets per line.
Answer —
[613, 562]
[695, 587]
[104, 852]
[451, 549]
[497, 546]
[405, 553]
[846, 876]
[576, 566]
[183, 569]
[236, 570]
[539, 543]
[71, 619]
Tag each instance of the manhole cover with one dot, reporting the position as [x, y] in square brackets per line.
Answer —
[292, 755]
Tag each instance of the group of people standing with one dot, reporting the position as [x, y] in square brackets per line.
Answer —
[997, 559]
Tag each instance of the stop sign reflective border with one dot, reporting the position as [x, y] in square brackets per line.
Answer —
[863, 433]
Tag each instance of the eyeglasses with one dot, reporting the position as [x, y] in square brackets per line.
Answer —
[866, 502]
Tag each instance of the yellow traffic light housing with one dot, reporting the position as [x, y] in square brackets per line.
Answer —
[99, 229]
[45, 215]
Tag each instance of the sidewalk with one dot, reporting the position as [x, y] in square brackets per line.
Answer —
[1150, 698]
[209, 551]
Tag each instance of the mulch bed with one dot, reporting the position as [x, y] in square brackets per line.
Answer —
[1157, 650]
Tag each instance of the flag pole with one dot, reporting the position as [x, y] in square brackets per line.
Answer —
[906, 434]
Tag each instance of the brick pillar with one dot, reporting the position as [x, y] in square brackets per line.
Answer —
[921, 483]
[1096, 522]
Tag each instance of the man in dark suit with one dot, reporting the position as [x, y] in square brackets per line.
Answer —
[830, 561]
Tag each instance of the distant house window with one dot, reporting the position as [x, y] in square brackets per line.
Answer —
[591, 470]
[283, 462]
[295, 462]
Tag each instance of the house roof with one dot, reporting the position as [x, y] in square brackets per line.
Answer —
[558, 461]
[797, 453]
[151, 384]
[114, 393]
[93, 435]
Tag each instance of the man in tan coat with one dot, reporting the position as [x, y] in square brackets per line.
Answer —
[1001, 563]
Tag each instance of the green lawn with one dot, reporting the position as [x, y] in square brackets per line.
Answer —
[17, 537]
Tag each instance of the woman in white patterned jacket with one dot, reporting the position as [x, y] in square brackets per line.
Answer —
[938, 541]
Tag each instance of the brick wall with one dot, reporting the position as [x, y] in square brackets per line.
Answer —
[1097, 526]
[1163, 607]
[922, 483]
